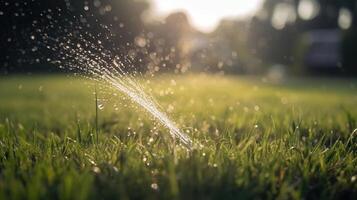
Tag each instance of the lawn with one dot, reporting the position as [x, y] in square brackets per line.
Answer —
[255, 139]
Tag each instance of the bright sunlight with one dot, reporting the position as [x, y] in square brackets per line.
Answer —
[205, 15]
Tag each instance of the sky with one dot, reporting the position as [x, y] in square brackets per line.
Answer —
[206, 14]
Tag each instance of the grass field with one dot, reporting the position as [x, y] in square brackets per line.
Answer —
[259, 140]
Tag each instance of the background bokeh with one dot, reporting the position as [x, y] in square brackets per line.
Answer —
[297, 37]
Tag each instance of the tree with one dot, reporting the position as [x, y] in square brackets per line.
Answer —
[276, 44]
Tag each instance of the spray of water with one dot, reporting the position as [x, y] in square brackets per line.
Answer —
[83, 52]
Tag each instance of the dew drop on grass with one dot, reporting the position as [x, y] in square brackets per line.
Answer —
[100, 106]
[115, 169]
[96, 170]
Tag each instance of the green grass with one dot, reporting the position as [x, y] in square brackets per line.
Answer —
[259, 140]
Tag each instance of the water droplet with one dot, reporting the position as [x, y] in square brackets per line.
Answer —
[140, 41]
[108, 8]
[86, 8]
[154, 186]
[116, 108]
[32, 37]
[100, 106]
[96, 170]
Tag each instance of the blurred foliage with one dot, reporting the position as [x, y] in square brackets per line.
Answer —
[280, 44]
[276, 35]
